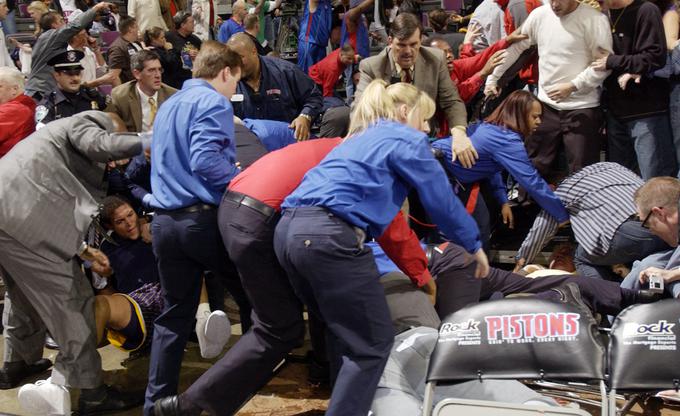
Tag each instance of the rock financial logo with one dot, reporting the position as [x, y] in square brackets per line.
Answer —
[463, 333]
[532, 327]
[657, 336]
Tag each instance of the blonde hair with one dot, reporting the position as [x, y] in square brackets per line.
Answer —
[380, 101]
[662, 191]
[38, 6]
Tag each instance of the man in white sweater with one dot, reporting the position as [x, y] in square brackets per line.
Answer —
[569, 36]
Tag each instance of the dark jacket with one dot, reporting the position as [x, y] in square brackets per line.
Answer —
[639, 48]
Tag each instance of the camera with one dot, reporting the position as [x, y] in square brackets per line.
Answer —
[656, 283]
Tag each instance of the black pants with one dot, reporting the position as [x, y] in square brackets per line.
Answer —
[278, 325]
[185, 245]
[578, 130]
[457, 286]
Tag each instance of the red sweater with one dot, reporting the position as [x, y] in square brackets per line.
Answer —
[327, 72]
[17, 121]
[274, 176]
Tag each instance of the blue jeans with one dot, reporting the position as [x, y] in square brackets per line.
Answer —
[631, 242]
[645, 143]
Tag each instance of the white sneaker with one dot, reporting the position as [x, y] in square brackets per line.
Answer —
[45, 398]
[213, 331]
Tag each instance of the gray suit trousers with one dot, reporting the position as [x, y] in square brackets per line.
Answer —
[57, 296]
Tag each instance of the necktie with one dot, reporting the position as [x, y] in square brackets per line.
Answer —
[406, 76]
[152, 113]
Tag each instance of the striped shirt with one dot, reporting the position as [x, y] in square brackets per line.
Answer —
[599, 198]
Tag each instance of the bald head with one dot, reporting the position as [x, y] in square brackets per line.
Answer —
[244, 46]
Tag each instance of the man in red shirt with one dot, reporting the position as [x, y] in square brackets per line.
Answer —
[247, 218]
[17, 111]
[327, 72]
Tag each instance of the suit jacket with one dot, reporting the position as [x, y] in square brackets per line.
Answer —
[430, 75]
[125, 103]
[52, 181]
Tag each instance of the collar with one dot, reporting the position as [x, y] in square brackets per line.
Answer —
[143, 94]
[197, 82]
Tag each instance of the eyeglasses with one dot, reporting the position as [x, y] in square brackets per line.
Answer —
[644, 221]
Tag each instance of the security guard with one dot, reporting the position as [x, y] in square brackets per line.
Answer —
[70, 97]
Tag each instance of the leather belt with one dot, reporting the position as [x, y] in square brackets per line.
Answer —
[250, 202]
[196, 208]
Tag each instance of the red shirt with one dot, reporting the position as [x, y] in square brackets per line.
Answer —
[17, 121]
[327, 72]
[274, 176]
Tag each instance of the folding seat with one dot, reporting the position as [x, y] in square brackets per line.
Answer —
[520, 338]
[644, 355]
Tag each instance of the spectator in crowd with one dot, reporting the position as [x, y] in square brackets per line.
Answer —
[261, 9]
[70, 97]
[275, 89]
[36, 9]
[638, 128]
[439, 20]
[137, 102]
[193, 162]
[123, 48]
[315, 30]
[5, 59]
[51, 43]
[327, 72]
[46, 288]
[17, 110]
[499, 140]
[468, 74]
[569, 87]
[251, 26]
[354, 29]
[205, 18]
[599, 199]
[656, 203]
[93, 61]
[147, 14]
[406, 61]
[169, 8]
[184, 42]
[490, 20]
[336, 213]
[235, 22]
[171, 61]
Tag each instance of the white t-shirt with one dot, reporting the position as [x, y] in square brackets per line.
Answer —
[566, 47]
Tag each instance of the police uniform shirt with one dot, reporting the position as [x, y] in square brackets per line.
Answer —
[62, 104]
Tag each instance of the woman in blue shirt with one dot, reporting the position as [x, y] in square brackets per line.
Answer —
[499, 141]
[353, 194]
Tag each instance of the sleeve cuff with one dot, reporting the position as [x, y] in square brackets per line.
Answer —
[146, 201]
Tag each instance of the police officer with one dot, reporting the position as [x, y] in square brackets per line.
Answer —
[70, 97]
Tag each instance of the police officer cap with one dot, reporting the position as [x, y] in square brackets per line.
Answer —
[67, 60]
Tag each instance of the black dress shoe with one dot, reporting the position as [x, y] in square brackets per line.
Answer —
[110, 401]
[13, 374]
[167, 406]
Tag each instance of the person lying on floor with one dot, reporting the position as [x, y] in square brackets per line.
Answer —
[131, 299]
[457, 287]
[402, 384]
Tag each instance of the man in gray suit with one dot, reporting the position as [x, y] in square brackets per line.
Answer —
[51, 43]
[405, 60]
[50, 187]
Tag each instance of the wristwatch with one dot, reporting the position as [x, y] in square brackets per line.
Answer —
[307, 116]
[82, 248]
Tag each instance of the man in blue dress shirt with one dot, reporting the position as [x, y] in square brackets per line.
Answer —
[275, 89]
[194, 159]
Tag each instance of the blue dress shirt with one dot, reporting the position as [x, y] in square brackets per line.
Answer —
[227, 29]
[500, 148]
[285, 92]
[274, 135]
[193, 149]
[366, 179]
